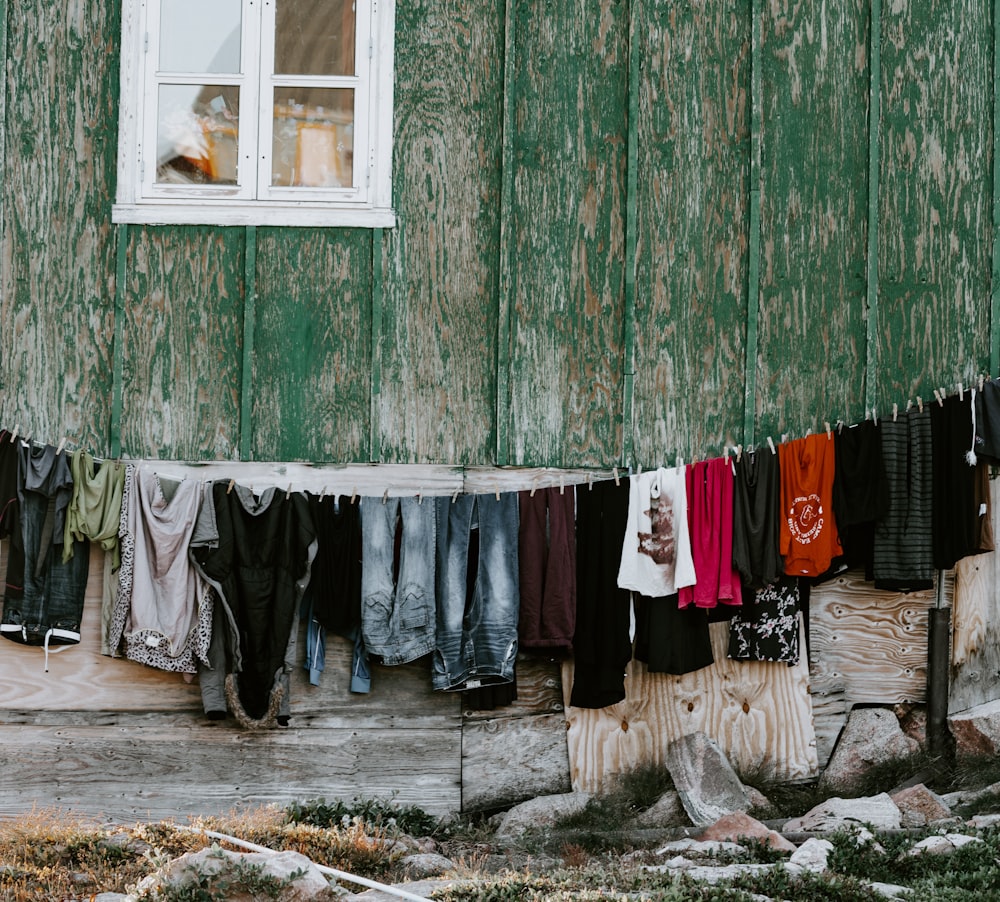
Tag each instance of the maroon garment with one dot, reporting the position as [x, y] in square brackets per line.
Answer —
[710, 524]
[547, 563]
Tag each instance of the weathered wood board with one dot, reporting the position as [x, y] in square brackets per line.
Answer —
[567, 232]
[759, 713]
[518, 751]
[815, 74]
[693, 226]
[936, 197]
[58, 251]
[975, 625]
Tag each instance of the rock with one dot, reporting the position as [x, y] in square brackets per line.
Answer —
[706, 783]
[969, 796]
[543, 811]
[984, 821]
[666, 811]
[941, 845]
[912, 721]
[757, 799]
[737, 826]
[418, 888]
[126, 843]
[920, 806]
[713, 875]
[425, 864]
[110, 897]
[302, 880]
[864, 838]
[872, 736]
[889, 890]
[976, 731]
[699, 848]
[837, 814]
[812, 855]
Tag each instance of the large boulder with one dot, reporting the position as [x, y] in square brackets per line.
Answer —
[539, 813]
[705, 781]
[977, 731]
[920, 806]
[739, 826]
[840, 814]
[666, 811]
[872, 736]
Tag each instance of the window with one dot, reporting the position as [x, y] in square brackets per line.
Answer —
[270, 112]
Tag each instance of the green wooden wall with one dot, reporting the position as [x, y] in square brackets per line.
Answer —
[626, 236]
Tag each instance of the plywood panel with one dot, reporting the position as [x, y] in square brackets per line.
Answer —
[936, 195]
[814, 199]
[440, 263]
[693, 212]
[183, 343]
[312, 348]
[975, 624]
[568, 215]
[869, 644]
[58, 250]
[759, 713]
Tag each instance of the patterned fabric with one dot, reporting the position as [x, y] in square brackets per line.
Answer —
[766, 627]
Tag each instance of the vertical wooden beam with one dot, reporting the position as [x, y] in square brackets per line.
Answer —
[995, 299]
[753, 264]
[874, 118]
[3, 105]
[631, 240]
[249, 325]
[118, 349]
[375, 440]
[506, 280]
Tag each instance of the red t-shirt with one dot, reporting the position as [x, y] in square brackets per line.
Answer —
[809, 539]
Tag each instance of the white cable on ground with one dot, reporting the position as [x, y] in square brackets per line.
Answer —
[333, 872]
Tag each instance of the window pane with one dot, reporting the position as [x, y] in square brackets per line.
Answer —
[197, 133]
[314, 37]
[313, 138]
[200, 35]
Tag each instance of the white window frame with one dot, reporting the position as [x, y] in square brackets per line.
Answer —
[367, 205]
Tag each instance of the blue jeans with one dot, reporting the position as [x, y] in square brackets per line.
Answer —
[477, 624]
[397, 615]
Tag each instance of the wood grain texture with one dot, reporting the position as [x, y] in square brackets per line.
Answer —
[539, 692]
[311, 350]
[58, 253]
[759, 713]
[183, 343]
[937, 192]
[814, 204]
[440, 263]
[693, 215]
[568, 215]
[975, 625]
[869, 644]
[507, 760]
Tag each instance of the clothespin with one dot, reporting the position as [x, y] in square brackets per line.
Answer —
[944, 394]
[739, 452]
[534, 487]
[874, 417]
[614, 474]
[982, 381]
[229, 488]
[288, 493]
[62, 444]
[420, 496]
[829, 431]
[920, 404]
[497, 491]
[937, 396]
[13, 435]
[562, 486]
[385, 497]
[354, 494]
[895, 412]
[770, 444]
[454, 497]
[961, 392]
[322, 494]
[590, 482]
[680, 462]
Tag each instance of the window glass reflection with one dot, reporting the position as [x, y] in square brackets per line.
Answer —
[197, 134]
[314, 37]
[200, 35]
[313, 137]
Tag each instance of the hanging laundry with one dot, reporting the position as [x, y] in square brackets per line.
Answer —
[656, 552]
[987, 430]
[904, 552]
[809, 540]
[757, 518]
[602, 647]
[256, 551]
[51, 607]
[10, 519]
[547, 564]
[114, 614]
[955, 524]
[163, 614]
[710, 525]
[984, 518]
[477, 600]
[766, 627]
[671, 639]
[397, 603]
[860, 491]
[332, 600]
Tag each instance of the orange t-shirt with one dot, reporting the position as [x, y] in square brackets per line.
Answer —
[809, 538]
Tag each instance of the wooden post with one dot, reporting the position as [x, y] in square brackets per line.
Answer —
[874, 115]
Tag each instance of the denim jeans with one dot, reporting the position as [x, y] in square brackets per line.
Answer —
[52, 606]
[477, 619]
[397, 615]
